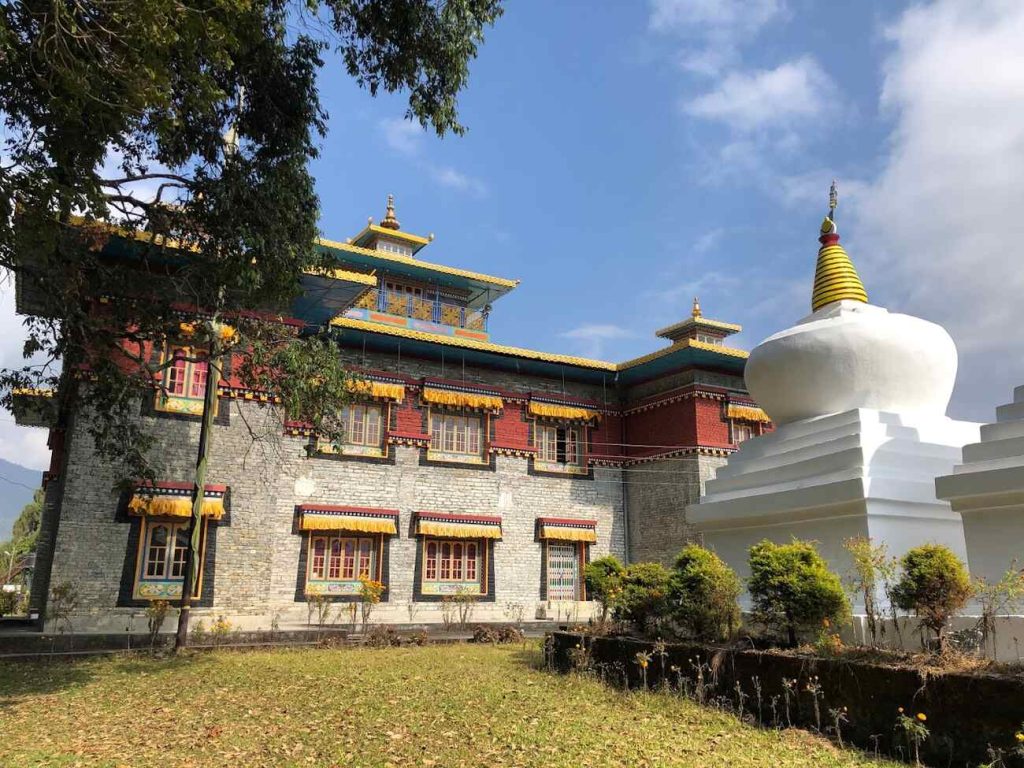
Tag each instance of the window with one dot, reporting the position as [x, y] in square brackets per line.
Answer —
[390, 246]
[455, 436]
[559, 447]
[163, 547]
[563, 570]
[184, 381]
[361, 429]
[336, 563]
[706, 339]
[741, 432]
[452, 565]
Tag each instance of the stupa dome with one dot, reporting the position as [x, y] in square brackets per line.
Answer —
[850, 354]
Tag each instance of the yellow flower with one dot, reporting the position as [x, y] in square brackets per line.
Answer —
[922, 716]
[187, 329]
[227, 333]
[1020, 737]
[825, 623]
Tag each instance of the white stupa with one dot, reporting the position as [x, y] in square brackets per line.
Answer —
[987, 489]
[858, 395]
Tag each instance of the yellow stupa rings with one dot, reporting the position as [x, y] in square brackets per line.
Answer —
[835, 277]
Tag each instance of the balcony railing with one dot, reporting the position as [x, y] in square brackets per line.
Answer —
[431, 310]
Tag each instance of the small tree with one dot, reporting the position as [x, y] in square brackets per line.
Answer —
[603, 578]
[868, 563]
[703, 594]
[996, 599]
[793, 589]
[934, 584]
[645, 589]
[370, 593]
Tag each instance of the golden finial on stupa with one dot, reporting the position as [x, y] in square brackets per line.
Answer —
[835, 277]
[389, 220]
[696, 308]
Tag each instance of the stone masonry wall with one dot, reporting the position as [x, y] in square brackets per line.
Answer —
[657, 493]
[257, 548]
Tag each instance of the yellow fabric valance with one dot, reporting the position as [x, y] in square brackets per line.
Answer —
[449, 529]
[174, 506]
[746, 413]
[461, 399]
[569, 412]
[312, 521]
[381, 389]
[567, 533]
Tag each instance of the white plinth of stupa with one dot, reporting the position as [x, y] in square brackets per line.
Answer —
[987, 490]
[861, 472]
[858, 395]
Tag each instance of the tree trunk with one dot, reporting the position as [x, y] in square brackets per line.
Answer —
[196, 524]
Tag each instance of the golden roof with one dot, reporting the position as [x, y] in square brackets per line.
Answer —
[398, 258]
[531, 354]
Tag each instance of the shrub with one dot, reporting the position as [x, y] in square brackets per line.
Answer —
[793, 589]
[383, 636]
[603, 578]
[8, 603]
[703, 594]
[934, 585]
[497, 634]
[644, 601]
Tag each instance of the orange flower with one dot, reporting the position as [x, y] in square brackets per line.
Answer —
[187, 329]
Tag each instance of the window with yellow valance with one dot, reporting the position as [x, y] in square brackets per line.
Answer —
[566, 412]
[746, 413]
[457, 399]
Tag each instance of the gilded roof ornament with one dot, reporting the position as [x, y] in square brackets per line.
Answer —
[835, 277]
[389, 221]
[696, 307]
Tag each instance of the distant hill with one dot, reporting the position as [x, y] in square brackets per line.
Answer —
[17, 484]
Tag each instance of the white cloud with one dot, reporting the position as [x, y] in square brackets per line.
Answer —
[407, 138]
[447, 176]
[403, 136]
[938, 229]
[593, 336]
[764, 99]
[737, 16]
[22, 445]
[712, 30]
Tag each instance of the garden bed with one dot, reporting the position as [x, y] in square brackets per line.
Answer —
[967, 714]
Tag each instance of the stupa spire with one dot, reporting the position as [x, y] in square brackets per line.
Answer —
[389, 221]
[835, 277]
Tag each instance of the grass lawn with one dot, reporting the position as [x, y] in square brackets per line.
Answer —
[462, 705]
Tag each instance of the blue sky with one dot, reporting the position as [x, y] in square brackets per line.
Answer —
[622, 157]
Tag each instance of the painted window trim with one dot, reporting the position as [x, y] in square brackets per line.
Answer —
[346, 587]
[579, 466]
[483, 566]
[142, 556]
[581, 562]
[348, 448]
[187, 404]
[457, 457]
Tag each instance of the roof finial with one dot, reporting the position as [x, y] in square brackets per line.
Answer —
[835, 277]
[389, 220]
[696, 307]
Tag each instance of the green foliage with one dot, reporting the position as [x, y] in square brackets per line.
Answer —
[195, 123]
[645, 591]
[703, 594]
[156, 614]
[870, 566]
[934, 584]
[8, 602]
[603, 578]
[999, 598]
[24, 534]
[793, 589]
